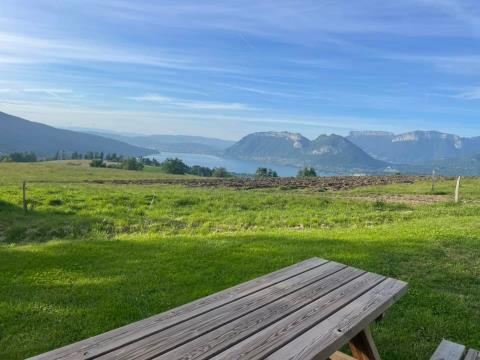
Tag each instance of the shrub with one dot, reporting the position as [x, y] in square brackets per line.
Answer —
[200, 171]
[265, 172]
[97, 163]
[307, 172]
[174, 166]
[221, 172]
[132, 164]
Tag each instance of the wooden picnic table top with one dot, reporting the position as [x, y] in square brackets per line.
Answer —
[305, 311]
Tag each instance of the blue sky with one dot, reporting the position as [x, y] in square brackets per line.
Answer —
[228, 68]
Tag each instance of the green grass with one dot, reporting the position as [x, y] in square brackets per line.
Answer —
[70, 170]
[90, 258]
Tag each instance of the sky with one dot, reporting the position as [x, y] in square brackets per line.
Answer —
[228, 68]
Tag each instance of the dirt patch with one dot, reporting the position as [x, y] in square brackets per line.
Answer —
[404, 199]
[334, 183]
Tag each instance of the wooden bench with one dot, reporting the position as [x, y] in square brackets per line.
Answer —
[451, 351]
[305, 311]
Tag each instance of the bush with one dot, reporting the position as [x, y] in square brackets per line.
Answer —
[19, 157]
[221, 172]
[200, 171]
[132, 164]
[265, 172]
[97, 163]
[307, 172]
[174, 166]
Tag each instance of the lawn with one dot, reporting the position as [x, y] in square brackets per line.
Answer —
[90, 258]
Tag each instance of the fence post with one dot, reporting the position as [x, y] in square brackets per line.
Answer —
[433, 181]
[24, 189]
[457, 190]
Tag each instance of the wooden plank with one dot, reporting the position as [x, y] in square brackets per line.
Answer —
[332, 333]
[339, 356]
[363, 347]
[171, 317]
[161, 342]
[448, 350]
[284, 331]
[232, 333]
[472, 355]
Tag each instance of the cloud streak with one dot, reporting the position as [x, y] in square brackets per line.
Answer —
[190, 104]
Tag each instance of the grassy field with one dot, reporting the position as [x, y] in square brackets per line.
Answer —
[69, 171]
[90, 258]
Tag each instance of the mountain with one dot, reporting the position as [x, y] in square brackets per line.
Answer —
[414, 147]
[462, 166]
[17, 134]
[327, 152]
[173, 143]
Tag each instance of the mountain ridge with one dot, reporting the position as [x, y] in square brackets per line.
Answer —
[415, 147]
[18, 135]
[326, 152]
[173, 143]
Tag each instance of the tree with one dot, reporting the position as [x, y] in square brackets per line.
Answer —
[307, 172]
[97, 163]
[265, 172]
[221, 172]
[174, 166]
[19, 157]
[132, 164]
[201, 171]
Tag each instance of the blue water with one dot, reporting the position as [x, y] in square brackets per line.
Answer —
[232, 165]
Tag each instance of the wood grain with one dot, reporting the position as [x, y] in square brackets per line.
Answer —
[290, 328]
[332, 333]
[294, 288]
[169, 318]
[472, 355]
[448, 350]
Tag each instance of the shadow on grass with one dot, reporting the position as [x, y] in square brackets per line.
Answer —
[18, 226]
[66, 291]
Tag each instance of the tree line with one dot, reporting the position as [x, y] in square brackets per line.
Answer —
[169, 166]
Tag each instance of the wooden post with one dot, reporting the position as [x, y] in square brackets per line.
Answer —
[457, 190]
[363, 347]
[24, 189]
[151, 202]
[433, 181]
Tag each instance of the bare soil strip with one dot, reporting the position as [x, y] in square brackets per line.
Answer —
[334, 183]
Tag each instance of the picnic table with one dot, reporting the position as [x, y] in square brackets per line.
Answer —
[309, 310]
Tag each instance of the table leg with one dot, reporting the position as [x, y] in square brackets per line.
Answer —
[363, 347]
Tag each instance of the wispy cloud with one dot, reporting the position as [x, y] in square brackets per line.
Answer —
[24, 49]
[190, 104]
[472, 94]
[55, 92]
[455, 64]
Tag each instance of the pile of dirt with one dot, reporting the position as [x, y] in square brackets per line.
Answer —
[333, 183]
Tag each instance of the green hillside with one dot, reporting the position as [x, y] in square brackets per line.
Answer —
[92, 257]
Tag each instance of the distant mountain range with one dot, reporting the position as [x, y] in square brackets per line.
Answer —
[414, 147]
[173, 143]
[331, 153]
[19, 135]
[416, 152]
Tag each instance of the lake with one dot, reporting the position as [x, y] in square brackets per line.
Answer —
[232, 165]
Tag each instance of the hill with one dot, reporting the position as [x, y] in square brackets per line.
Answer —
[414, 147]
[17, 134]
[173, 143]
[327, 152]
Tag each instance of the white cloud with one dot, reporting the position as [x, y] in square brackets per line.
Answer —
[473, 94]
[190, 104]
[55, 92]
[24, 49]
